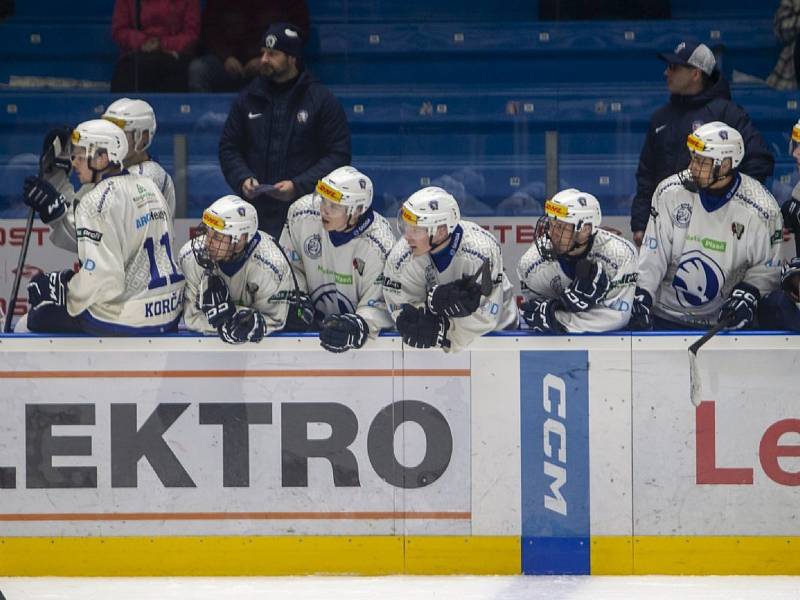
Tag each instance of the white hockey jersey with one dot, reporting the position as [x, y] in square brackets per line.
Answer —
[62, 232]
[408, 278]
[260, 279]
[128, 282]
[541, 278]
[342, 272]
[691, 259]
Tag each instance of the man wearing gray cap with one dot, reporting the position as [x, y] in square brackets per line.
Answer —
[284, 132]
[699, 95]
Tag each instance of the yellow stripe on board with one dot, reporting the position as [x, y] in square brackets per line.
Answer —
[254, 556]
[702, 555]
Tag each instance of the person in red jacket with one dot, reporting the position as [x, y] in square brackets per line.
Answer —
[155, 44]
[232, 39]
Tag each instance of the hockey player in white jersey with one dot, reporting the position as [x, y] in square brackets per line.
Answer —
[138, 120]
[128, 283]
[51, 193]
[238, 280]
[338, 246]
[575, 277]
[444, 281]
[711, 248]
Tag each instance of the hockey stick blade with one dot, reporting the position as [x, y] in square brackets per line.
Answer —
[485, 275]
[695, 383]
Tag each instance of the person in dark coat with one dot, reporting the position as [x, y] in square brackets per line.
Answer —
[781, 309]
[699, 95]
[284, 132]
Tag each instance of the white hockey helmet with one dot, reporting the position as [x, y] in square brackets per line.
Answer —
[429, 208]
[99, 134]
[135, 116]
[794, 140]
[348, 187]
[576, 207]
[232, 216]
[718, 141]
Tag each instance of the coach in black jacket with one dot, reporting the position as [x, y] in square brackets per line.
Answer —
[699, 95]
[285, 129]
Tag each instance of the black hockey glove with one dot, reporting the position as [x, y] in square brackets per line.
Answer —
[588, 288]
[43, 198]
[216, 301]
[540, 315]
[247, 325]
[49, 288]
[455, 299]
[791, 215]
[741, 306]
[300, 316]
[343, 332]
[641, 319]
[56, 154]
[421, 329]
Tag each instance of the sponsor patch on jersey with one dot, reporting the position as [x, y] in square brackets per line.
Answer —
[327, 192]
[627, 279]
[777, 236]
[89, 265]
[144, 196]
[715, 245]
[313, 246]
[737, 229]
[89, 234]
[391, 284]
[698, 279]
[339, 278]
[358, 265]
[683, 215]
[153, 215]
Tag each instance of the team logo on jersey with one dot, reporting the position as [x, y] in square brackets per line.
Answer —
[737, 229]
[683, 215]
[302, 116]
[358, 265]
[313, 246]
[698, 279]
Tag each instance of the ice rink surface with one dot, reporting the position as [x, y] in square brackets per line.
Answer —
[405, 588]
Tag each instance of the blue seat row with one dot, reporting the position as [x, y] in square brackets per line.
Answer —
[472, 54]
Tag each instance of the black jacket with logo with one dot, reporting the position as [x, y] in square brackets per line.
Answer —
[665, 152]
[274, 133]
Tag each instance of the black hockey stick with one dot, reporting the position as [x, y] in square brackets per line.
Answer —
[695, 384]
[44, 165]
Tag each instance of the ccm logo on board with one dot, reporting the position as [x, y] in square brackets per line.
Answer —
[770, 450]
[555, 430]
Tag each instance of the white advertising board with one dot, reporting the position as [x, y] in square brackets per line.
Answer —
[215, 442]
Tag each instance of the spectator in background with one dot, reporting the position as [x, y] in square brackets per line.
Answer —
[786, 25]
[783, 192]
[283, 133]
[155, 44]
[699, 94]
[232, 39]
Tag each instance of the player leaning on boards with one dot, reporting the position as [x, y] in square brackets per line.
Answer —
[51, 193]
[237, 279]
[576, 277]
[338, 245]
[711, 248]
[128, 283]
[444, 281]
